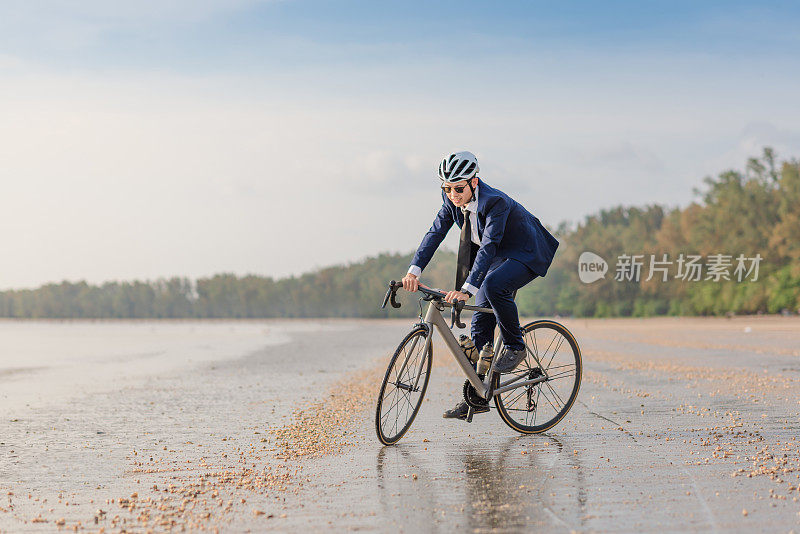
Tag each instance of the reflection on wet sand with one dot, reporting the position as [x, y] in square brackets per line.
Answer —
[519, 482]
[396, 467]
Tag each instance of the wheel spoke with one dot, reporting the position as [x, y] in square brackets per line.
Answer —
[560, 400]
[396, 402]
[511, 402]
[549, 400]
[555, 351]
[528, 393]
[548, 348]
[561, 374]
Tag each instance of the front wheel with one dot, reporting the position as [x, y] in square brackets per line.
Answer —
[554, 354]
[404, 386]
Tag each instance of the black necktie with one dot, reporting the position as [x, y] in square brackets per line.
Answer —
[466, 252]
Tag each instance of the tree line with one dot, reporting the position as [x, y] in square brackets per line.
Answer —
[738, 215]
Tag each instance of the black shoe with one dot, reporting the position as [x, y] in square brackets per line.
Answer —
[509, 360]
[461, 409]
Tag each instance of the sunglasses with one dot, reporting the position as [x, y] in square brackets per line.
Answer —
[459, 188]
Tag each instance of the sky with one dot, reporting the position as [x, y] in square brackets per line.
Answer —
[154, 139]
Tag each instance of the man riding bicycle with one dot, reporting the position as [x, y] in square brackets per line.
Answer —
[502, 248]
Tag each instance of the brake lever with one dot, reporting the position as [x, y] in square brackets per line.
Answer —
[391, 293]
[386, 298]
[455, 314]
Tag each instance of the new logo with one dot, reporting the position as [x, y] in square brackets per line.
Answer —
[591, 267]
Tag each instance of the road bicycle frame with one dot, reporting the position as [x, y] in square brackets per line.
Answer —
[433, 317]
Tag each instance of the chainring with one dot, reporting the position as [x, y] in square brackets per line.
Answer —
[471, 396]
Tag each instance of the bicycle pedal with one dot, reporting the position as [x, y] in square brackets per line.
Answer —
[470, 413]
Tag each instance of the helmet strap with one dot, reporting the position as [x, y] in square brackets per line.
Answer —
[472, 190]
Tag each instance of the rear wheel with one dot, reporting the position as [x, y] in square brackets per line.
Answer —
[403, 386]
[554, 354]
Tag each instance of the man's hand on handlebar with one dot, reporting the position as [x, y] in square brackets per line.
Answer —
[410, 282]
[456, 295]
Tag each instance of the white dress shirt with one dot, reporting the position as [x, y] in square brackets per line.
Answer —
[472, 208]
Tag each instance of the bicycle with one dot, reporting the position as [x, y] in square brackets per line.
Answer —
[537, 388]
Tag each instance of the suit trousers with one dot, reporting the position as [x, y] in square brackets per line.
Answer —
[504, 278]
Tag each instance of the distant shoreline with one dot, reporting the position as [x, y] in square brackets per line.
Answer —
[761, 316]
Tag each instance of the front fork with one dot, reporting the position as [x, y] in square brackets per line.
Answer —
[425, 350]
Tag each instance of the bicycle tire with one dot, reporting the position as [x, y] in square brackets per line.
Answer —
[569, 366]
[391, 393]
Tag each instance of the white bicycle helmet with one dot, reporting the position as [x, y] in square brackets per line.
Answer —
[458, 166]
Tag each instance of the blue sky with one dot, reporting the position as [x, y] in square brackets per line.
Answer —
[188, 138]
[218, 36]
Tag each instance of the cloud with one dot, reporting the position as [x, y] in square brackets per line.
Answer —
[9, 63]
[69, 12]
[53, 30]
[618, 155]
[382, 172]
[749, 142]
[131, 173]
[757, 135]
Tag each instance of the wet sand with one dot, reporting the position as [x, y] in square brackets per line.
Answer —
[680, 425]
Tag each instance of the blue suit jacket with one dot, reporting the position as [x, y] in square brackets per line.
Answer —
[505, 228]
